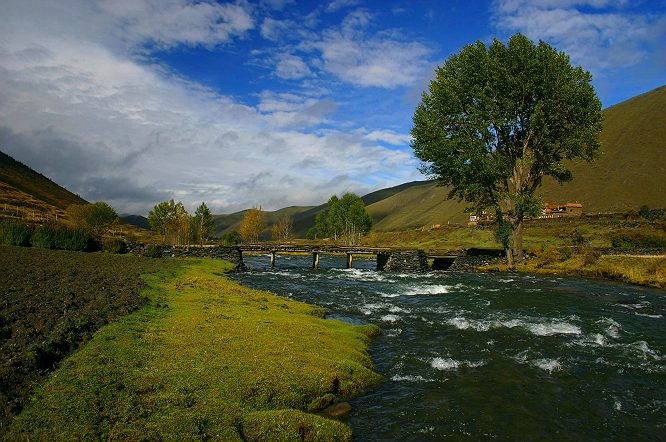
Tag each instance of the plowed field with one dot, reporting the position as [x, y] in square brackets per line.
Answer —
[51, 302]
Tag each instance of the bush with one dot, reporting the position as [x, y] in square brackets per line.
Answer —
[115, 245]
[637, 240]
[591, 256]
[75, 239]
[566, 253]
[231, 238]
[44, 236]
[15, 233]
[153, 251]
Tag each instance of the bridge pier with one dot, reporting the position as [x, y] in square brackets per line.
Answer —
[350, 259]
[272, 259]
[315, 260]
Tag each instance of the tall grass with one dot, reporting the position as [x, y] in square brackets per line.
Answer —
[206, 359]
[47, 236]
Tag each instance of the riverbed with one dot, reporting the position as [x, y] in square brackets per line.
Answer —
[493, 356]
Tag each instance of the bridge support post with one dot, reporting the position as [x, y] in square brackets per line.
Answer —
[315, 260]
[349, 260]
[272, 259]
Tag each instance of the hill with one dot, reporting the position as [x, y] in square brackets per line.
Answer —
[630, 173]
[29, 194]
[631, 170]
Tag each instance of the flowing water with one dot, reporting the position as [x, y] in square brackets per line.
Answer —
[493, 356]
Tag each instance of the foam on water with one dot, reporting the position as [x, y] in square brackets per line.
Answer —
[428, 290]
[612, 327]
[410, 378]
[391, 318]
[452, 364]
[536, 327]
[549, 365]
[648, 315]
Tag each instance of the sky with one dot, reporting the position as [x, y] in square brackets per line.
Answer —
[268, 103]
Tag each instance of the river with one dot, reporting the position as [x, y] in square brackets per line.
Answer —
[493, 356]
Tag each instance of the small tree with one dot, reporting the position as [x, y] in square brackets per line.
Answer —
[281, 230]
[252, 225]
[345, 217]
[172, 221]
[231, 238]
[203, 222]
[498, 119]
[96, 218]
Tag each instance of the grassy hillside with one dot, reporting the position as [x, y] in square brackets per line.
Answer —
[30, 194]
[630, 172]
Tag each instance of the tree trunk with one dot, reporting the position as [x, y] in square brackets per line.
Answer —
[509, 257]
[517, 240]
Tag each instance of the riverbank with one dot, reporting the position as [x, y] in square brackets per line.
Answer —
[645, 270]
[205, 358]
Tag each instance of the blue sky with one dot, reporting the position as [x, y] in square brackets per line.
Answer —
[271, 103]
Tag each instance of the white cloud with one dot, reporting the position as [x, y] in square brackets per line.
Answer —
[357, 56]
[291, 66]
[77, 109]
[598, 34]
[167, 23]
[273, 30]
[389, 137]
[336, 5]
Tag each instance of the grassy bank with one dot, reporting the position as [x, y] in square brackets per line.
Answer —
[642, 270]
[205, 358]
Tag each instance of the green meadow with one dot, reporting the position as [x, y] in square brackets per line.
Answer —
[205, 358]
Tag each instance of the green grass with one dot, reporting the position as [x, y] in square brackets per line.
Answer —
[206, 358]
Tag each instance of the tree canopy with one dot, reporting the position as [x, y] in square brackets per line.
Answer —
[171, 219]
[96, 218]
[344, 218]
[498, 119]
[252, 225]
[203, 222]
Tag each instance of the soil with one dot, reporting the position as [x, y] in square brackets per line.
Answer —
[51, 303]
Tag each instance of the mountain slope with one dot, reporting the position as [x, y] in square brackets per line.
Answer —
[630, 172]
[29, 193]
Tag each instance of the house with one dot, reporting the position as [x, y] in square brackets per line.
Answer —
[562, 210]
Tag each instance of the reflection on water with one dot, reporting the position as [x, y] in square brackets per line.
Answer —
[493, 355]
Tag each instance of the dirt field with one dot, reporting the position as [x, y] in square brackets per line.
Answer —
[51, 302]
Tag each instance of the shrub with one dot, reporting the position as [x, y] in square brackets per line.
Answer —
[566, 253]
[75, 239]
[15, 233]
[153, 251]
[115, 245]
[591, 256]
[231, 238]
[44, 237]
[637, 240]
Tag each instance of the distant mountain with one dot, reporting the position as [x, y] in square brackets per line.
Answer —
[303, 217]
[135, 220]
[630, 172]
[29, 193]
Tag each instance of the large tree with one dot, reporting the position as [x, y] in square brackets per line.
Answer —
[498, 119]
[344, 217]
